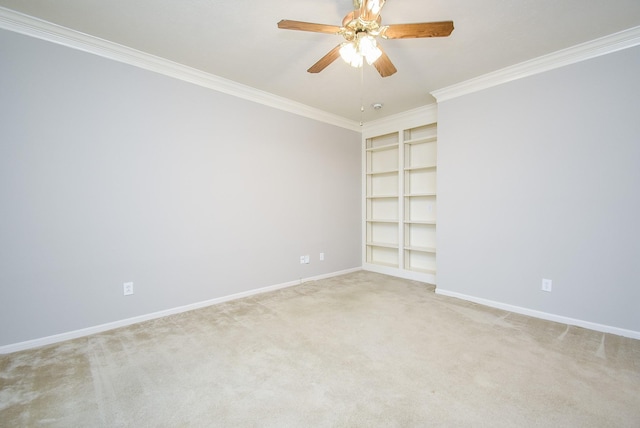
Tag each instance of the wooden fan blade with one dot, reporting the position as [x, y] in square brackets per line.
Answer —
[287, 24]
[424, 29]
[370, 9]
[384, 65]
[325, 60]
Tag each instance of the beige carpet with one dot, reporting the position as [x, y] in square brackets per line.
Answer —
[359, 350]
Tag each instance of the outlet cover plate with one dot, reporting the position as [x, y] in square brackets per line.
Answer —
[546, 285]
[128, 288]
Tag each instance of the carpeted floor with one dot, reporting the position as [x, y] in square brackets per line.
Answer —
[359, 350]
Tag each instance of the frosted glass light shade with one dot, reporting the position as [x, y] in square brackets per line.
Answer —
[350, 54]
[368, 47]
[355, 51]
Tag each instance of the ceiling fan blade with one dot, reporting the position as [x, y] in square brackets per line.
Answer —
[325, 60]
[370, 9]
[287, 24]
[384, 65]
[424, 29]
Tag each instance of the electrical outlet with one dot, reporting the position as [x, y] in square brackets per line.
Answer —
[321, 256]
[546, 285]
[304, 259]
[128, 288]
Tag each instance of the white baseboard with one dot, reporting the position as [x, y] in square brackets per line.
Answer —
[543, 315]
[329, 275]
[35, 343]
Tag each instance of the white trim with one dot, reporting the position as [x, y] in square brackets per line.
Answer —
[542, 315]
[35, 343]
[30, 26]
[424, 115]
[602, 46]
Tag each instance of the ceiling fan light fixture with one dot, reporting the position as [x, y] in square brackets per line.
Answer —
[364, 47]
[368, 47]
[350, 55]
[360, 27]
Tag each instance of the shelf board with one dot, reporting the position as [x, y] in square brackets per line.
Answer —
[382, 245]
[381, 148]
[433, 222]
[382, 196]
[375, 220]
[415, 195]
[430, 139]
[390, 171]
[420, 167]
[421, 249]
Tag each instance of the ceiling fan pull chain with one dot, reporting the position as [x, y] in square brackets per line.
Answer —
[361, 95]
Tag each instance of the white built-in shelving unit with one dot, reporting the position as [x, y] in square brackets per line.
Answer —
[400, 164]
[420, 169]
[382, 153]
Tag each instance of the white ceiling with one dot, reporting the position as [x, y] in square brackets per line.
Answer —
[239, 40]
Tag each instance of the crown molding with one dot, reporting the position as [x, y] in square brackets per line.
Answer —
[408, 119]
[602, 46]
[30, 26]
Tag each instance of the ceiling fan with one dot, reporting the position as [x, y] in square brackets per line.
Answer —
[360, 28]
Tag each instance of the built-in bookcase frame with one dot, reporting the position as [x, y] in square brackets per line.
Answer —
[400, 200]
